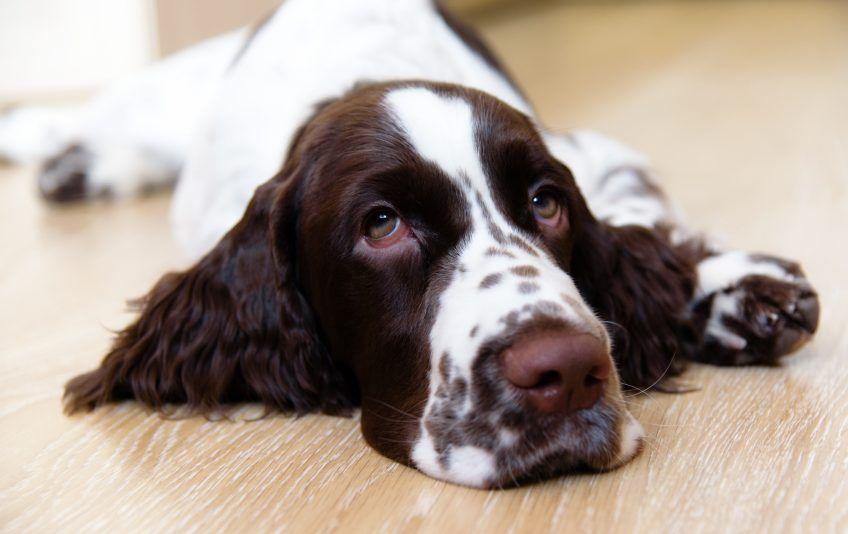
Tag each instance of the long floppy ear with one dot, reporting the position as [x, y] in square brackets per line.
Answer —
[234, 327]
[640, 285]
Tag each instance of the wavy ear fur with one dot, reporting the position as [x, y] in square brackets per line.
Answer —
[640, 285]
[234, 327]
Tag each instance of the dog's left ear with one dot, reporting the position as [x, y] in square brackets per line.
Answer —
[640, 286]
[234, 327]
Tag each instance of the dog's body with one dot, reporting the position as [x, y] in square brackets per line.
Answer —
[221, 114]
[432, 324]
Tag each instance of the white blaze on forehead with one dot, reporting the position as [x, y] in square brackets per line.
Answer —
[440, 128]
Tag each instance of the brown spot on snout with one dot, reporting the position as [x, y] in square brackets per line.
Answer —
[491, 281]
[528, 287]
[522, 244]
[493, 251]
[444, 367]
[526, 271]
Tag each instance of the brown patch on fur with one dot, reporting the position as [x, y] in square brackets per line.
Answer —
[525, 271]
[522, 244]
[528, 287]
[492, 251]
[491, 281]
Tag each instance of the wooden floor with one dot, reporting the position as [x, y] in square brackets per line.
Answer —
[744, 108]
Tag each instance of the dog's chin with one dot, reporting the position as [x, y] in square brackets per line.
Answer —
[587, 443]
[600, 438]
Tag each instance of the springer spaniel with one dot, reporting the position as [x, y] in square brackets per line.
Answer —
[481, 287]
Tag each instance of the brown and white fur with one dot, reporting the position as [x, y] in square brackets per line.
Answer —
[392, 110]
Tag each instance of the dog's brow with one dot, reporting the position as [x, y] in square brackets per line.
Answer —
[439, 128]
[442, 130]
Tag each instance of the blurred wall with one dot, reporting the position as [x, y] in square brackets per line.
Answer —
[183, 22]
[67, 48]
[70, 46]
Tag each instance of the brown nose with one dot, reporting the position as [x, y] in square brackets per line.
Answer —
[558, 372]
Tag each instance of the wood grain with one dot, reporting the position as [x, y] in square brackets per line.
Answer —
[743, 107]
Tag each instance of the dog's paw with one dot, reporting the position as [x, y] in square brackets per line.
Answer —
[752, 309]
[65, 177]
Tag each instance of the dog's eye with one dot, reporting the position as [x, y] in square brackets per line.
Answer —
[545, 206]
[381, 224]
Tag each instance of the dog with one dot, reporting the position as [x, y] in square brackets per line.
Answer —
[484, 289]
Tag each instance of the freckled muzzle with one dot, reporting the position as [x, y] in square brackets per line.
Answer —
[522, 384]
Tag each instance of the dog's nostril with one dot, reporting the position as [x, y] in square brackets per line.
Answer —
[591, 381]
[600, 373]
[548, 378]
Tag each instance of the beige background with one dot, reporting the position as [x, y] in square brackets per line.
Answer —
[183, 22]
[742, 106]
[71, 46]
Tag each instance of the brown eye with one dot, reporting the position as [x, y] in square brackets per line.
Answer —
[545, 205]
[381, 224]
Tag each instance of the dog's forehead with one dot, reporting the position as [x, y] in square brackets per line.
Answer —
[439, 127]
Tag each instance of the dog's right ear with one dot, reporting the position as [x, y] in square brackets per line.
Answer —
[234, 327]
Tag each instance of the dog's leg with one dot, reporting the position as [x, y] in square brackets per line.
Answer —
[131, 138]
[746, 308]
[617, 181]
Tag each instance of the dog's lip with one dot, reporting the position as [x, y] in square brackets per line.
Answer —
[539, 472]
[525, 466]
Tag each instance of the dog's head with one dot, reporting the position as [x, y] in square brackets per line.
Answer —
[421, 254]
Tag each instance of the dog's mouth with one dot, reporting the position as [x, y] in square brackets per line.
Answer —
[596, 439]
[488, 450]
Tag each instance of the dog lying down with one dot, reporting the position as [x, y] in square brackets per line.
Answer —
[381, 221]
